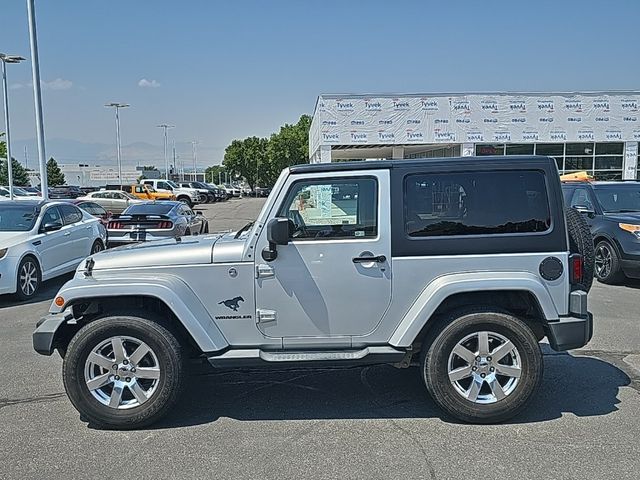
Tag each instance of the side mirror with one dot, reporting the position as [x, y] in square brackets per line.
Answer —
[278, 231]
[277, 234]
[584, 209]
[52, 226]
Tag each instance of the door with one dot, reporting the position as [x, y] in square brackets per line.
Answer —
[581, 200]
[52, 245]
[321, 286]
[78, 233]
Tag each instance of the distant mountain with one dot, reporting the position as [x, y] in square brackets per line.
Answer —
[67, 151]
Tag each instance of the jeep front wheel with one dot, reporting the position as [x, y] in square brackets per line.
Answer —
[123, 372]
[482, 367]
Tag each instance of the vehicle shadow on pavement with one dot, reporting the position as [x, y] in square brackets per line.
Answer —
[581, 386]
[47, 291]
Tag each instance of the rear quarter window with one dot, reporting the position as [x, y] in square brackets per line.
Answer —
[475, 203]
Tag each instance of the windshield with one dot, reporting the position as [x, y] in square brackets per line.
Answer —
[619, 198]
[173, 184]
[17, 217]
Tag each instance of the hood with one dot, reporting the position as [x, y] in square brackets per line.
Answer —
[189, 250]
[9, 239]
[188, 190]
[633, 218]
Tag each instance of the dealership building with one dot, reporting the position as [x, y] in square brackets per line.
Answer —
[594, 131]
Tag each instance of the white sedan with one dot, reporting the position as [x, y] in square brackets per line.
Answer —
[41, 240]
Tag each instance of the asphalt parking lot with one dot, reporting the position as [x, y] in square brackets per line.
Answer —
[371, 422]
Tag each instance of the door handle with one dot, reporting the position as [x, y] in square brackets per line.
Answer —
[377, 259]
[66, 234]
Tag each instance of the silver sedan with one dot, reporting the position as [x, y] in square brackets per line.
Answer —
[113, 201]
[149, 221]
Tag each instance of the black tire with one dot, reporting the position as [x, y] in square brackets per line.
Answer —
[581, 241]
[164, 345]
[186, 201]
[187, 232]
[608, 269]
[455, 328]
[96, 247]
[28, 287]
[206, 227]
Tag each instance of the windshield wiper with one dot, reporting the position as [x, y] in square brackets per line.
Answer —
[246, 227]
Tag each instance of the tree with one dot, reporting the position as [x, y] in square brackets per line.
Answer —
[55, 176]
[245, 158]
[215, 173]
[290, 146]
[20, 176]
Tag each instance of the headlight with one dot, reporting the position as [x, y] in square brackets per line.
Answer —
[635, 229]
[3, 252]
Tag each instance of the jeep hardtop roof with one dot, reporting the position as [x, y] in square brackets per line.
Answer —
[515, 161]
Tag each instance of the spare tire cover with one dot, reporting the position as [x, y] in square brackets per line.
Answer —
[581, 241]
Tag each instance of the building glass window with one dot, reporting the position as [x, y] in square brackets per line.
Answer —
[579, 149]
[613, 162]
[489, 149]
[578, 163]
[520, 149]
[610, 148]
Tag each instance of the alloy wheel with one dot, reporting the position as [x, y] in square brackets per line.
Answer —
[484, 367]
[97, 247]
[603, 261]
[28, 278]
[122, 372]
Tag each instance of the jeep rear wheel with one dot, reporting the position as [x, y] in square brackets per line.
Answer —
[123, 372]
[483, 366]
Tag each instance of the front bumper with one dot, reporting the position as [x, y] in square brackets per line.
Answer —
[46, 329]
[8, 275]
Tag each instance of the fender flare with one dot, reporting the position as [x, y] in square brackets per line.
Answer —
[169, 289]
[443, 287]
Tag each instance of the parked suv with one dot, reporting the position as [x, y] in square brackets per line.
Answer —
[475, 251]
[612, 210]
[190, 196]
[202, 189]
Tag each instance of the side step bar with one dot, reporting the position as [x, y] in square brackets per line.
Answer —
[256, 357]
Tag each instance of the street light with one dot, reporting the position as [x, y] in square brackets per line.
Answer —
[4, 59]
[165, 127]
[117, 106]
[37, 97]
[195, 161]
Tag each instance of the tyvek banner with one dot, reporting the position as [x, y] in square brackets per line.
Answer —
[477, 118]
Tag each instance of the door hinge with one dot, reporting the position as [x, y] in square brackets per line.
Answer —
[265, 316]
[264, 271]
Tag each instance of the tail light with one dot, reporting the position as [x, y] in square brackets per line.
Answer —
[115, 226]
[576, 268]
[165, 224]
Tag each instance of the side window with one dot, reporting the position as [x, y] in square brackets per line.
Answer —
[332, 208]
[581, 198]
[51, 215]
[98, 195]
[164, 185]
[475, 203]
[70, 214]
[139, 189]
[92, 208]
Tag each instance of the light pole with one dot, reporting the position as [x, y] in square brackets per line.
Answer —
[37, 98]
[117, 106]
[8, 59]
[195, 161]
[165, 127]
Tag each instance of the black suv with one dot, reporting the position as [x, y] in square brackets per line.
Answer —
[612, 210]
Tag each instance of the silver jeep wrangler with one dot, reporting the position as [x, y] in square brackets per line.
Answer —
[457, 266]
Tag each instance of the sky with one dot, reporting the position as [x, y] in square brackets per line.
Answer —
[220, 70]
